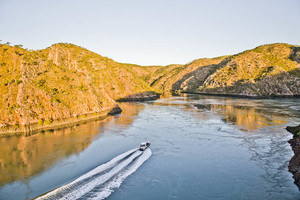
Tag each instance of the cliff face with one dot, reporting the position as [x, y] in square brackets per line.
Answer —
[175, 77]
[294, 165]
[60, 82]
[268, 70]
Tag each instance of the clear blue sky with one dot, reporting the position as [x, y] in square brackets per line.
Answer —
[149, 32]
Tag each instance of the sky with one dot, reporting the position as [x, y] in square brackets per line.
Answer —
[151, 32]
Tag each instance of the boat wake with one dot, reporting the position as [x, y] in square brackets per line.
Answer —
[100, 182]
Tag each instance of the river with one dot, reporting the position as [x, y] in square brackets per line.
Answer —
[203, 147]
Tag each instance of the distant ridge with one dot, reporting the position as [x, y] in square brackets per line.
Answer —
[268, 70]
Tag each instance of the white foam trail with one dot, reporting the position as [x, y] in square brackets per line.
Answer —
[97, 170]
[107, 165]
[104, 192]
[90, 185]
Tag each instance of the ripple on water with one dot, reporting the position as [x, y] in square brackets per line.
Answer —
[227, 148]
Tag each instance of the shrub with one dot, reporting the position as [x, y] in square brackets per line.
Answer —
[41, 82]
[82, 87]
[40, 122]
[48, 121]
[56, 100]
[8, 81]
[19, 81]
[19, 45]
[54, 90]
[65, 78]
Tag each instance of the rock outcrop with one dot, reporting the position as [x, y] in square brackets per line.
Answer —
[294, 165]
[144, 96]
[116, 110]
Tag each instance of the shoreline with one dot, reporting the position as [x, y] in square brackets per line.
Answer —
[242, 96]
[14, 130]
[144, 96]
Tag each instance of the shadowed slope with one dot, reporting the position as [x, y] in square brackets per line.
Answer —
[164, 78]
[268, 70]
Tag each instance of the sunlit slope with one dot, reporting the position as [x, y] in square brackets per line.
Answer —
[61, 81]
[264, 71]
[67, 81]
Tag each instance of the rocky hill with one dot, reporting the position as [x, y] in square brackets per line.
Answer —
[61, 82]
[66, 83]
[268, 70]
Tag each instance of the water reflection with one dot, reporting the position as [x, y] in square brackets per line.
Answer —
[245, 117]
[25, 156]
[129, 113]
[248, 114]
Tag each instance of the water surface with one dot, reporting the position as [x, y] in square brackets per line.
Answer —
[203, 147]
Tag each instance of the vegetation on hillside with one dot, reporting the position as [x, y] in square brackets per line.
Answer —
[267, 70]
[67, 81]
[61, 81]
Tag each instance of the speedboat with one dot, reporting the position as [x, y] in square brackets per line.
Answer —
[144, 145]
